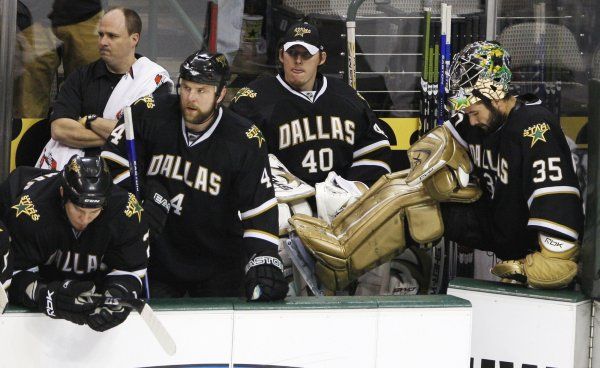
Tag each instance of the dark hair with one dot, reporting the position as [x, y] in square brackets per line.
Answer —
[133, 22]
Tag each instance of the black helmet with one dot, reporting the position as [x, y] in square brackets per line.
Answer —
[206, 68]
[86, 181]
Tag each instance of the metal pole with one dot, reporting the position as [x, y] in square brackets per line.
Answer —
[189, 25]
[8, 29]
[491, 7]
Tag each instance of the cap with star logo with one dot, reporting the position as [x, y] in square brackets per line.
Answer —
[303, 34]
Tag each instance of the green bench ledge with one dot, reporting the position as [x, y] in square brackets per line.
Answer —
[302, 303]
[492, 287]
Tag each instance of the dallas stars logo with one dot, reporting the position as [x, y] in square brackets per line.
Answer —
[133, 208]
[74, 166]
[222, 60]
[301, 31]
[254, 132]
[244, 92]
[26, 206]
[148, 100]
[536, 133]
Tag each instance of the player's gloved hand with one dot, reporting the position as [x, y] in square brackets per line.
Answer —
[105, 317]
[156, 205]
[70, 300]
[264, 279]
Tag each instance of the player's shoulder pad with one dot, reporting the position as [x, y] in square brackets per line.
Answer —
[26, 208]
[257, 90]
[341, 89]
[146, 102]
[123, 205]
[244, 130]
[532, 121]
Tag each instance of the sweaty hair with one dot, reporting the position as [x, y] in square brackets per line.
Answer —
[133, 22]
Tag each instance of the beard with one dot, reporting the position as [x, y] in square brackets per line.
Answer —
[497, 119]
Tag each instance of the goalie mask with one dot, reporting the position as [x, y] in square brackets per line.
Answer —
[206, 68]
[480, 71]
[86, 181]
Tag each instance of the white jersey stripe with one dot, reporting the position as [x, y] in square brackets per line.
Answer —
[258, 210]
[115, 158]
[138, 274]
[365, 162]
[321, 90]
[262, 235]
[554, 226]
[370, 148]
[562, 189]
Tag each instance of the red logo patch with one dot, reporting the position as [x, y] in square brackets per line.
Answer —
[157, 79]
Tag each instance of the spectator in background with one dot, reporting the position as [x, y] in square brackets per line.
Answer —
[92, 98]
[50, 33]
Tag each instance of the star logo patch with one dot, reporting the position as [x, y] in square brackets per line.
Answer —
[536, 132]
[133, 208]
[25, 206]
[301, 31]
[254, 132]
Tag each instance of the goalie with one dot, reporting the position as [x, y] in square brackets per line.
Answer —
[521, 161]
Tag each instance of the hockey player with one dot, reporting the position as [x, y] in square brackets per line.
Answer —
[221, 230]
[74, 234]
[314, 124]
[531, 212]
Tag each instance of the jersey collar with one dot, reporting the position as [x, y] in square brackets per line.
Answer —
[300, 94]
[206, 134]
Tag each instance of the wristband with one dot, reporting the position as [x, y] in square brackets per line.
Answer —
[88, 120]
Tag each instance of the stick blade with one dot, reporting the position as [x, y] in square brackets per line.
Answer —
[3, 299]
[158, 330]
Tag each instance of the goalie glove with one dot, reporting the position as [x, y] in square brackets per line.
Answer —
[553, 267]
[264, 280]
[70, 300]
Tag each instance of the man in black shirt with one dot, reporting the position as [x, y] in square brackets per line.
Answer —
[221, 230]
[74, 234]
[531, 214]
[91, 99]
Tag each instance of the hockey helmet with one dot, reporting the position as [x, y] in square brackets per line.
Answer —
[206, 68]
[86, 181]
[480, 71]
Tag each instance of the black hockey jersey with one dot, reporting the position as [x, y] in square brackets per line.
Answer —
[115, 243]
[526, 170]
[330, 129]
[222, 203]
[6, 263]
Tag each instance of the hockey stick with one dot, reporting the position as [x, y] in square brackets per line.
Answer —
[3, 299]
[133, 168]
[425, 73]
[156, 327]
[442, 66]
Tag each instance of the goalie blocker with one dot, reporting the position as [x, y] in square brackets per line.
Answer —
[371, 231]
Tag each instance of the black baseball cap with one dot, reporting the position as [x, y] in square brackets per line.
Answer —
[303, 34]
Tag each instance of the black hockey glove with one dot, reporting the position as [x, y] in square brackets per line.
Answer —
[156, 205]
[264, 279]
[105, 317]
[68, 300]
